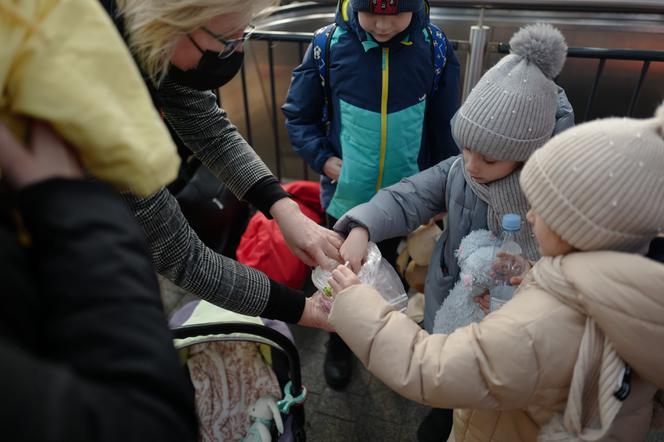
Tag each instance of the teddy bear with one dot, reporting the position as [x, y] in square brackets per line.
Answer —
[475, 256]
[413, 260]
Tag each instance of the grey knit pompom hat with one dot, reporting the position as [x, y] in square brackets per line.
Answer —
[511, 111]
[600, 185]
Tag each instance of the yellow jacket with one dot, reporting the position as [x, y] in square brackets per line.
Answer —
[62, 61]
[509, 374]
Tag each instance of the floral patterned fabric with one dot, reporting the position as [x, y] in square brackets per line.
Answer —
[228, 378]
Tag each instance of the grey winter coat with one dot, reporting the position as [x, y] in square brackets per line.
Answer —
[399, 209]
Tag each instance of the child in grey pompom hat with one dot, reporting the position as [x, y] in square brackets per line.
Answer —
[508, 114]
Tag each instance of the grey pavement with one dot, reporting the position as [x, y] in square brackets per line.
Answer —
[366, 410]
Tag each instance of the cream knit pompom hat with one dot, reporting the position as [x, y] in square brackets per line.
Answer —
[600, 185]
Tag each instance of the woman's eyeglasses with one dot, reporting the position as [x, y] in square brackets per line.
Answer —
[230, 46]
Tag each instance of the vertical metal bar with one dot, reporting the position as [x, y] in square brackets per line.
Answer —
[245, 99]
[275, 128]
[477, 40]
[300, 55]
[637, 89]
[598, 74]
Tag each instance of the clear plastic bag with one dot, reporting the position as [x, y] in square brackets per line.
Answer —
[376, 272]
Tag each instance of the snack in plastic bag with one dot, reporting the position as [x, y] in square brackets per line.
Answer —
[376, 272]
[324, 298]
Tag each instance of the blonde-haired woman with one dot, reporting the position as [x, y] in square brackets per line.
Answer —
[186, 48]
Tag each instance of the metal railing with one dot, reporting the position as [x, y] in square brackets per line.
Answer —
[478, 49]
[602, 55]
[272, 37]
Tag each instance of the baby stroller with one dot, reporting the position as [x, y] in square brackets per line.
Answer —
[232, 361]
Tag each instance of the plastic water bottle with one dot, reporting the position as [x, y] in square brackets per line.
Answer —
[505, 269]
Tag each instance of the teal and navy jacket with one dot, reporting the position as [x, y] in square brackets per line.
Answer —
[383, 123]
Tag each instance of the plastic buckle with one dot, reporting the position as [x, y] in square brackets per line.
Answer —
[625, 384]
[288, 401]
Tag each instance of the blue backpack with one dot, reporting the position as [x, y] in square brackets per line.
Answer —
[321, 54]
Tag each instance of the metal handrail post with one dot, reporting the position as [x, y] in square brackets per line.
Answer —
[273, 95]
[479, 35]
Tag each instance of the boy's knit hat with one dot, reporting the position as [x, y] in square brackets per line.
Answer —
[600, 185]
[511, 111]
[387, 7]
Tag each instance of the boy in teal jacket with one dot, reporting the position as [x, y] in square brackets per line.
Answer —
[371, 104]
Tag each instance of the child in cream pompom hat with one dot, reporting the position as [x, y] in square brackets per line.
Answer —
[600, 186]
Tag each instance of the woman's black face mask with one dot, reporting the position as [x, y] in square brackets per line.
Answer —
[212, 72]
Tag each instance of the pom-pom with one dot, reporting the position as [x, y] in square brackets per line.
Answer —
[543, 45]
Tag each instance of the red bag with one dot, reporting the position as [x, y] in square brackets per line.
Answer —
[263, 246]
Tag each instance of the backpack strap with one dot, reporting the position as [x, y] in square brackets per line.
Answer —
[321, 54]
[438, 50]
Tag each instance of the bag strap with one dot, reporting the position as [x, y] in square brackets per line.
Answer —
[438, 50]
[321, 54]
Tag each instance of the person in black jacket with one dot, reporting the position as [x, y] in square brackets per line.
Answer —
[85, 349]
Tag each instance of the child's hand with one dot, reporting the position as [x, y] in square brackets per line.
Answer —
[342, 278]
[508, 264]
[314, 316]
[354, 248]
[484, 301]
[332, 168]
[516, 280]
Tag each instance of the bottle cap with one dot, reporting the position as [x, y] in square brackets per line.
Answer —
[511, 222]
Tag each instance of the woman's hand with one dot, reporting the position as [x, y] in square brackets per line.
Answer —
[312, 243]
[314, 316]
[45, 156]
[332, 168]
[354, 248]
[342, 278]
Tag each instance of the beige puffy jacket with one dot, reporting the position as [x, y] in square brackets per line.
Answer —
[63, 62]
[510, 374]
